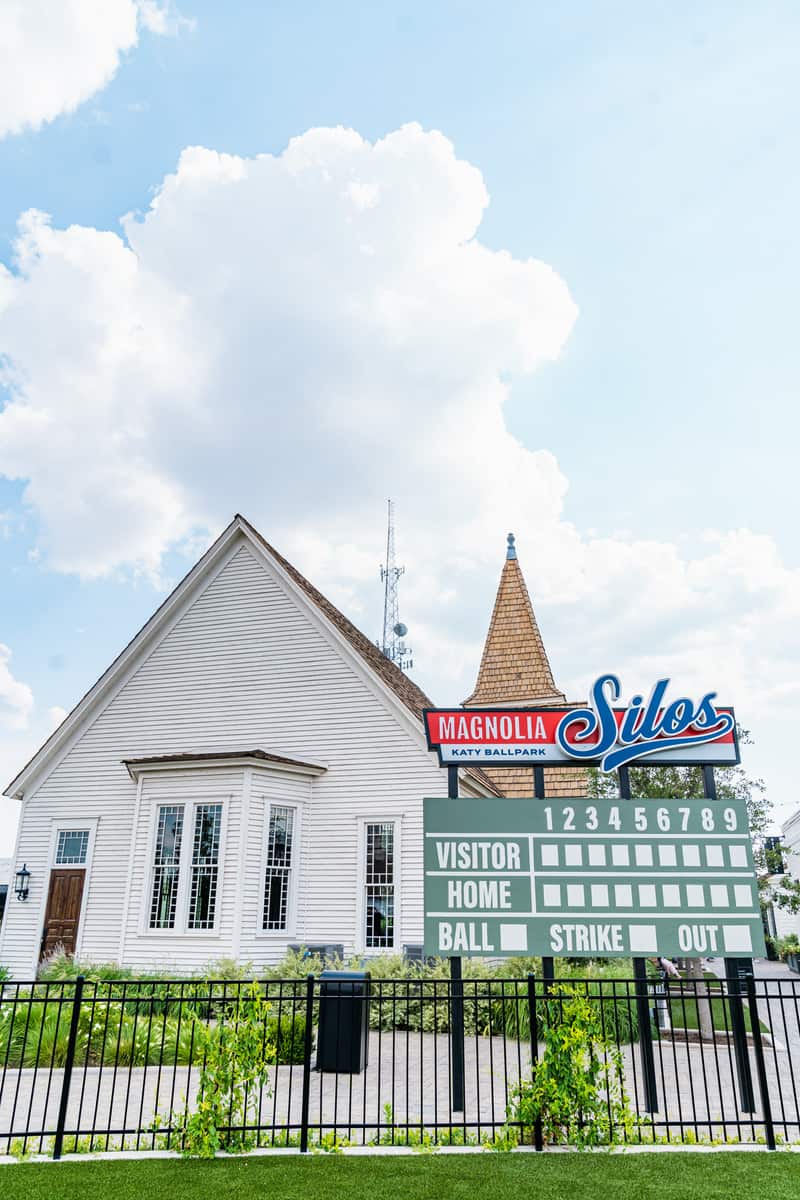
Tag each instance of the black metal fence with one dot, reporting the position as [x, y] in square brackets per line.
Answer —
[104, 1065]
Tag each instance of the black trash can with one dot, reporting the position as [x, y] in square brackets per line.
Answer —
[343, 1034]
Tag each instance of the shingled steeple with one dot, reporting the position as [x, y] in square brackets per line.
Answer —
[514, 668]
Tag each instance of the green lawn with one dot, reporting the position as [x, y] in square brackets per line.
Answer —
[460, 1177]
[684, 1010]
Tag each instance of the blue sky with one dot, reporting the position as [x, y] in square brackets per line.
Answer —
[646, 153]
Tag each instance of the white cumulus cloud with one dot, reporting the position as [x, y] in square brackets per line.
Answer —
[300, 336]
[16, 698]
[55, 54]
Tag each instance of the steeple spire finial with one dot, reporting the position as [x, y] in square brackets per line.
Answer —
[514, 667]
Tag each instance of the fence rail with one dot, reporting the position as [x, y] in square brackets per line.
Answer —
[102, 1065]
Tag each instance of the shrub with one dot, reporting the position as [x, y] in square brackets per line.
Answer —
[288, 1036]
[787, 945]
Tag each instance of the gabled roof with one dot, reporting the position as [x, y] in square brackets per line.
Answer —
[514, 668]
[398, 683]
[404, 688]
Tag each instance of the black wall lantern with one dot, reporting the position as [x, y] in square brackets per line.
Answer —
[22, 881]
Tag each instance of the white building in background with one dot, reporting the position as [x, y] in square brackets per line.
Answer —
[781, 923]
[247, 774]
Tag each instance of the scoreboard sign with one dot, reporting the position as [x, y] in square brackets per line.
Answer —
[589, 878]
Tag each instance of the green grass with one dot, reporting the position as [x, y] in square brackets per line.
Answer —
[460, 1177]
[684, 1010]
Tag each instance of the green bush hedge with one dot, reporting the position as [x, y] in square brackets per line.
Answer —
[495, 1003]
[117, 1031]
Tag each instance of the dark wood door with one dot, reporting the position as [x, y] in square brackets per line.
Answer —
[63, 911]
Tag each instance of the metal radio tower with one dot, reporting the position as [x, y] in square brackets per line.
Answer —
[394, 630]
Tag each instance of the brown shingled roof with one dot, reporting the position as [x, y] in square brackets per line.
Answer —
[515, 670]
[191, 756]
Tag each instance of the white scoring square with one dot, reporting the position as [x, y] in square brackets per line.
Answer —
[644, 856]
[549, 856]
[738, 855]
[714, 856]
[667, 856]
[737, 939]
[597, 856]
[647, 895]
[575, 895]
[643, 939]
[620, 856]
[743, 895]
[599, 895]
[695, 895]
[719, 895]
[672, 895]
[623, 895]
[551, 894]
[573, 855]
[513, 937]
[691, 856]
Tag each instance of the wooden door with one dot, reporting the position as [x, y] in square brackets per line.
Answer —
[63, 910]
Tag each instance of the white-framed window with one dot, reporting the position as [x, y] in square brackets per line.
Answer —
[205, 866]
[166, 866]
[72, 847]
[379, 875]
[280, 858]
[185, 870]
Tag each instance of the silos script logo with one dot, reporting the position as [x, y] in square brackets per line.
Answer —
[597, 731]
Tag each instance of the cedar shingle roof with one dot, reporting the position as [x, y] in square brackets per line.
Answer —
[515, 670]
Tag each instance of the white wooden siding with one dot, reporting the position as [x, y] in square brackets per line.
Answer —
[246, 665]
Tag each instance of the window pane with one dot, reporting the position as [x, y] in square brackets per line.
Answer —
[380, 917]
[205, 866]
[379, 878]
[166, 866]
[279, 865]
[72, 847]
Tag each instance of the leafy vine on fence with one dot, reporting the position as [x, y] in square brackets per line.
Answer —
[576, 1088]
[236, 1051]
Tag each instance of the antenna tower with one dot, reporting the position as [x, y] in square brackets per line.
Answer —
[394, 630]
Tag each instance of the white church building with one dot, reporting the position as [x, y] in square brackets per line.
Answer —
[246, 775]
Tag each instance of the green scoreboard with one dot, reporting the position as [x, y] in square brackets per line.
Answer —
[590, 878]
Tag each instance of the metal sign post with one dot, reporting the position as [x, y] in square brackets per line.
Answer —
[642, 998]
[737, 972]
[456, 997]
